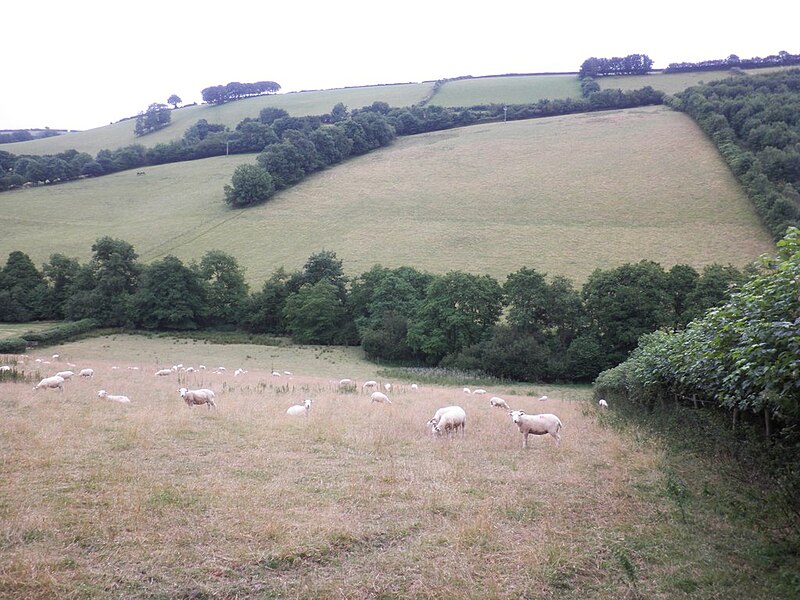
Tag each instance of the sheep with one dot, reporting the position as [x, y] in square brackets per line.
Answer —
[479, 391]
[238, 372]
[163, 372]
[65, 374]
[543, 398]
[603, 403]
[51, 382]
[5, 368]
[498, 402]
[450, 421]
[438, 414]
[300, 409]
[467, 390]
[380, 397]
[537, 425]
[276, 374]
[87, 373]
[387, 386]
[414, 387]
[104, 394]
[369, 385]
[202, 396]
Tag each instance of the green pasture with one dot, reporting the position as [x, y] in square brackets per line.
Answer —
[672, 83]
[564, 195]
[521, 89]
[8, 330]
[120, 134]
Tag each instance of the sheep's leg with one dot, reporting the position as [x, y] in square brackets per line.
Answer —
[525, 440]
[556, 437]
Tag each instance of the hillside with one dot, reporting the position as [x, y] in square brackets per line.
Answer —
[502, 89]
[564, 195]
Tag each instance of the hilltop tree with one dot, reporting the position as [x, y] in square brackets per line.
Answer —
[174, 100]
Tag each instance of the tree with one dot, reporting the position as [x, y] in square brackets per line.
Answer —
[625, 303]
[174, 99]
[60, 273]
[226, 287]
[322, 266]
[250, 184]
[171, 296]
[23, 293]
[315, 314]
[105, 287]
[157, 116]
[459, 310]
[264, 312]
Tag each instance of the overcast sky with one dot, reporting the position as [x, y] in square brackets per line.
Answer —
[86, 63]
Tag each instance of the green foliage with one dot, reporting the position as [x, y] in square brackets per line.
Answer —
[13, 345]
[23, 293]
[226, 288]
[171, 296]
[60, 333]
[157, 116]
[315, 313]
[459, 310]
[250, 185]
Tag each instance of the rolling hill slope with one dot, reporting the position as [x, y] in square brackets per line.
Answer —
[564, 195]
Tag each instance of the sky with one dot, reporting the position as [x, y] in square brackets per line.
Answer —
[87, 63]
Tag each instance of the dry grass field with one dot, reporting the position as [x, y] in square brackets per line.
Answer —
[564, 195]
[156, 500]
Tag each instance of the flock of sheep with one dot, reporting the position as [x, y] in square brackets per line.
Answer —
[446, 421]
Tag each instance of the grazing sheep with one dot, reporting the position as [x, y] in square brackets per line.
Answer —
[450, 421]
[543, 398]
[300, 409]
[199, 397]
[104, 394]
[387, 386]
[287, 373]
[467, 391]
[603, 403]
[238, 372]
[537, 425]
[164, 372]
[5, 368]
[414, 387]
[439, 412]
[87, 373]
[51, 382]
[380, 397]
[479, 391]
[276, 374]
[65, 374]
[498, 402]
[369, 385]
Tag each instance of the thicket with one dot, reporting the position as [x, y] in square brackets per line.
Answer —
[755, 123]
[528, 328]
[741, 358]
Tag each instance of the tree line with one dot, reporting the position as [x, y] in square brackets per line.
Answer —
[528, 328]
[753, 121]
[781, 59]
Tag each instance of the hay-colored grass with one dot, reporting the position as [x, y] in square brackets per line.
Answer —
[563, 195]
[155, 499]
[522, 89]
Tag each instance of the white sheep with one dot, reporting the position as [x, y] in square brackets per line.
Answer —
[479, 391]
[603, 403]
[163, 372]
[438, 414]
[450, 421]
[5, 368]
[387, 386]
[543, 398]
[537, 425]
[467, 390]
[369, 385]
[300, 409]
[65, 374]
[380, 397]
[87, 373]
[498, 402]
[414, 387]
[52, 382]
[104, 394]
[238, 372]
[198, 397]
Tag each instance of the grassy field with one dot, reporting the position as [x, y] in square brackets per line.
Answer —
[564, 195]
[521, 89]
[15, 329]
[156, 500]
[120, 134]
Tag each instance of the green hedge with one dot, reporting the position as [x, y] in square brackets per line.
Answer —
[59, 333]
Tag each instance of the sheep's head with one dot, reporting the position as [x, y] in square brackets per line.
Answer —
[102, 393]
[516, 415]
[307, 403]
[183, 392]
